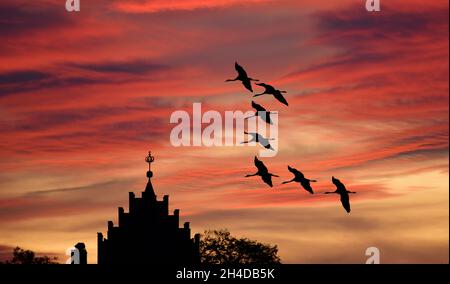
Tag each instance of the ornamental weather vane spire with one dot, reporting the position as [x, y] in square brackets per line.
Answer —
[149, 159]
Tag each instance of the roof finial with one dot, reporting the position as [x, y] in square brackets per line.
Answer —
[149, 159]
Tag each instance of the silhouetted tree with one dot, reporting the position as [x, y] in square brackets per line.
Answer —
[21, 256]
[220, 247]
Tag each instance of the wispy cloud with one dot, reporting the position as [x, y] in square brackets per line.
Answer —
[83, 98]
[146, 6]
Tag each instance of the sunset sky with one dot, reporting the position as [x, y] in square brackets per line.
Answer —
[84, 96]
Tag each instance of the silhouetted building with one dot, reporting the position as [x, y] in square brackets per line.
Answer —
[147, 233]
[82, 252]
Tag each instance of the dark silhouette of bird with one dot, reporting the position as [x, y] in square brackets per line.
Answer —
[243, 77]
[256, 137]
[300, 178]
[343, 192]
[270, 90]
[261, 112]
[263, 172]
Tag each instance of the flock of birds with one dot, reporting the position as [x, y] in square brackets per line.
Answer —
[261, 112]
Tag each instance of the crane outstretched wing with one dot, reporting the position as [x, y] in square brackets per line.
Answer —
[336, 182]
[267, 179]
[280, 98]
[262, 113]
[269, 88]
[257, 107]
[260, 165]
[240, 70]
[340, 186]
[307, 186]
[247, 83]
[296, 172]
[345, 200]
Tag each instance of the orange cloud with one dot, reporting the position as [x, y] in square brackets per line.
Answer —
[83, 98]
